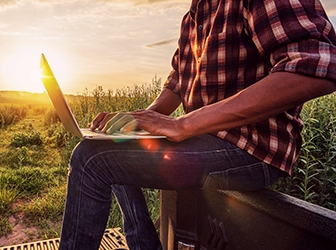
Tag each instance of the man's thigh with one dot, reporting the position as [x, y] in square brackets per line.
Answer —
[162, 164]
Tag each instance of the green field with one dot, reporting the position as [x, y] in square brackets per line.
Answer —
[35, 149]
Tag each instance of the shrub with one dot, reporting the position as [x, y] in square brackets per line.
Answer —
[7, 195]
[11, 114]
[28, 181]
[47, 207]
[26, 139]
[51, 117]
[17, 157]
[57, 135]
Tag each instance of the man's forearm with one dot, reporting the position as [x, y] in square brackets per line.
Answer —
[166, 102]
[270, 96]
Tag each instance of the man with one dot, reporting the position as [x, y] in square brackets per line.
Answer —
[242, 71]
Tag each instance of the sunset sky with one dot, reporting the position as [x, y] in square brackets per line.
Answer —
[110, 43]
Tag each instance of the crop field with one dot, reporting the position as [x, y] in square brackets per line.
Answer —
[35, 150]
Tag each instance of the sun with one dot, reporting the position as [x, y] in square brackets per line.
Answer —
[22, 69]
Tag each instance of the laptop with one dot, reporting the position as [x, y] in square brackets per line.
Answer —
[68, 119]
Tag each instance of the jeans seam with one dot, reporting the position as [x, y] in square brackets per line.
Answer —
[267, 175]
[78, 209]
[130, 212]
[80, 197]
[161, 151]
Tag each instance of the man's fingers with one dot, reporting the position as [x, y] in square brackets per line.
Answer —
[111, 120]
[97, 120]
[117, 122]
[129, 127]
[100, 120]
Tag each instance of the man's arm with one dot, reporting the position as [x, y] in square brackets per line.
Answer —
[166, 102]
[273, 94]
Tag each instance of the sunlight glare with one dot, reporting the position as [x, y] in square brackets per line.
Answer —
[23, 72]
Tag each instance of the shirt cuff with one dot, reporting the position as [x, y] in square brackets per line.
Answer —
[172, 82]
[311, 57]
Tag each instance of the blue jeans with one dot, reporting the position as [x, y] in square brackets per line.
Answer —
[98, 168]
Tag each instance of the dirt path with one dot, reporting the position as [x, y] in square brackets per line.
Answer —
[20, 232]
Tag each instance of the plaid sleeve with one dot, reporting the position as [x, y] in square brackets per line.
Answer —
[172, 81]
[297, 36]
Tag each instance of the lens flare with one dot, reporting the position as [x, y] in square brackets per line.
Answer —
[150, 144]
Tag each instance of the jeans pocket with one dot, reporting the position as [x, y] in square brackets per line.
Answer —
[245, 178]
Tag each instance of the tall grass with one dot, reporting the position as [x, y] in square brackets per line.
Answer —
[10, 114]
[126, 99]
[7, 196]
[314, 176]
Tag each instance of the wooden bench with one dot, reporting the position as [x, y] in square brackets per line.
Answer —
[229, 220]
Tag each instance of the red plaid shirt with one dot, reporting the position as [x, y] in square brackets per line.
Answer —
[226, 46]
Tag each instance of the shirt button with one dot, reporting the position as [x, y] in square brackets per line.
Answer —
[200, 27]
[199, 59]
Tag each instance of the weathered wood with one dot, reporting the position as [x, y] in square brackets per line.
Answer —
[215, 219]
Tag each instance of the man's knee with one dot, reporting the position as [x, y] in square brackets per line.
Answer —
[81, 153]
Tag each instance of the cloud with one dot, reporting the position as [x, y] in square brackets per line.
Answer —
[8, 2]
[4, 4]
[161, 43]
[2, 33]
[329, 6]
[133, 2]
[57, 1]
[147, 2]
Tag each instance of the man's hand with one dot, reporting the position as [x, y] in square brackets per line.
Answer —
[148, 120]
[154, 120]
[159, 124]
